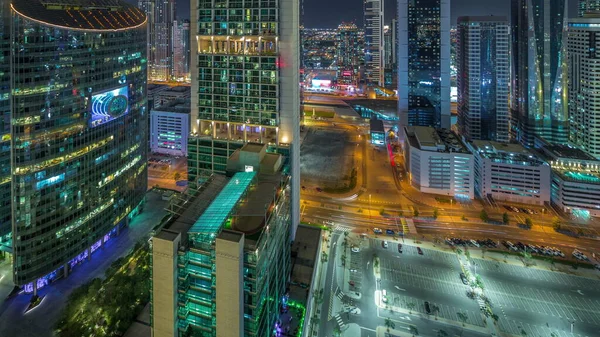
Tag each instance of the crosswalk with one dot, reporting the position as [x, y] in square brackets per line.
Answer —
[339, 294]
[341, 228]
[340, 321]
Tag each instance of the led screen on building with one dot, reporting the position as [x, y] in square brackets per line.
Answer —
[109, 105]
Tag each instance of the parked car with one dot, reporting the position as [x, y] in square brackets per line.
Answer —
[389, 232]
[419, 251]
[463, 278]
[377, 230]
[355, 249]
[427, 308]
[400, 248]
[384, 244]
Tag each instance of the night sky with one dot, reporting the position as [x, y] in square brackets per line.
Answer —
[329, 13]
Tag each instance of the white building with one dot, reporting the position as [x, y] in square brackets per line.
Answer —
[169, 128]
[511, 173]
[438, 162]
[583, 46]
[483, 76]
[575, 180]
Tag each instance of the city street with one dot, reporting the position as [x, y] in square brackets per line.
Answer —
[40, 321]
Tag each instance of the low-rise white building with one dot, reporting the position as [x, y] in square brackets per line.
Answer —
[509, 172]
[170, 128]
[575, 180]
[438, 162]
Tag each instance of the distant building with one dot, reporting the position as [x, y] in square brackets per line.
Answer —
[374, 58]
[161, 15]
[5, 129]
[347, 55]
[510, 172]
[588, 7]
[178, 93]
[539, 79]
[438, 162]
[221, 263]
[575, 180]
[181, 51]
[424, 62]
[584, 79]
[483, 78]
[170, 128]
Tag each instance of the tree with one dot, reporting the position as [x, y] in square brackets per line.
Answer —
[177, 176]
[389, 324]
[382, 211]
[344, 260]
[442, 333]
[505, 218]
[337, 331]
[464, 218]
[410, 306]
[414, 330]
[415, 212]
[462, 317]
[483, 215]
[434, 309]
[556, 224]
[528, 222]
[523, 332]
[435, 213]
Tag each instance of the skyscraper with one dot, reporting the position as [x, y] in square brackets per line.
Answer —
[424, 62]
[583, 47]
[245, 75]
[586, 6]
[181, 50]
[483, 77]
[161, 15]
[78, 133]
[5, 177]
[347, 55]
[373, 21]
[539, 104]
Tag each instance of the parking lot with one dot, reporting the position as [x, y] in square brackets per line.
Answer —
[411, 279]
[540, 302]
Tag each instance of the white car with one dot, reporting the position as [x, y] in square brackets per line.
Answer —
[355, 249]
[377, 230]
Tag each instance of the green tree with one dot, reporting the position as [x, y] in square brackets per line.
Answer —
[382, 211]
[435, 213]
[464, 218]
[176, 176]
[556, 223]
[337, 331]
[344, 260]
[414, 330]
[505, 218]
[415, 212]
[462, 317]
[442, 333]
[528, 222]
[410, 306]
[483, 215]
[389, 324]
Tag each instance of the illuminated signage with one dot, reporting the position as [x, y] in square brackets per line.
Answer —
[249, 168]
[109, 105]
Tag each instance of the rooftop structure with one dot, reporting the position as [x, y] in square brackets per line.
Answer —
[435, 140]
[505, 153]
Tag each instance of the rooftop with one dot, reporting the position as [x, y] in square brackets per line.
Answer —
[178, 106]
[253, 147]
[88, 15]
[214, 217]
[435, 140]
[511, 153]
[567, 152]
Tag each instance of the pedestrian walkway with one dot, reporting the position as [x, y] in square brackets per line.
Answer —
[340, 321]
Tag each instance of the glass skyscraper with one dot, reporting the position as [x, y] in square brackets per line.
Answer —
[347, 54]
[483, 76]
[78, 133]
[161, 15]
[5, 224]
[374, 58]
[424, 62]
[539, 81]
[586, 6]
[245, 83]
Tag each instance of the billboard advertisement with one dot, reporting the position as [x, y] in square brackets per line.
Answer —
[109, 105]
[321, 83]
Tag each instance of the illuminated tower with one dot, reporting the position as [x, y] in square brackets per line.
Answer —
[5, 225]
[373, 22]
[161, 15]
[245, 80]
[424, 62]
[347, 54]
[539, 88]
[78, 133]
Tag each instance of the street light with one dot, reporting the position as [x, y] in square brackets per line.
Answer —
[370, 219]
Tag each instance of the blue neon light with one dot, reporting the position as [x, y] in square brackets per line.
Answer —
[50, 181]
[109, 105]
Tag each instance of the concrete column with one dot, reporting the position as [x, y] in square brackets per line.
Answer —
[66, 270]
[89, 251]
[245, 134]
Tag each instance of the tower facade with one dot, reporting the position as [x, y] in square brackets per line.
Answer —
[347, 55]
[424, 62]
[161, 15]
[181, 50]
[539, 104]
[245, 75]
[587, 6]
[5, 197]
[483, 77]
[79, 125]
[374, 54]
[584, 77]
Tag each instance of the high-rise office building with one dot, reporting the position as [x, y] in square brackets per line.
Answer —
[245, 75]
[424, 62]
[588, 6]
[583, 50]
[347, 54]
[373, 25]
[483, 77]
[5, 177]
[78, 133]
[539, 74]
[221, 264]
[161, 15]
[181, 50]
